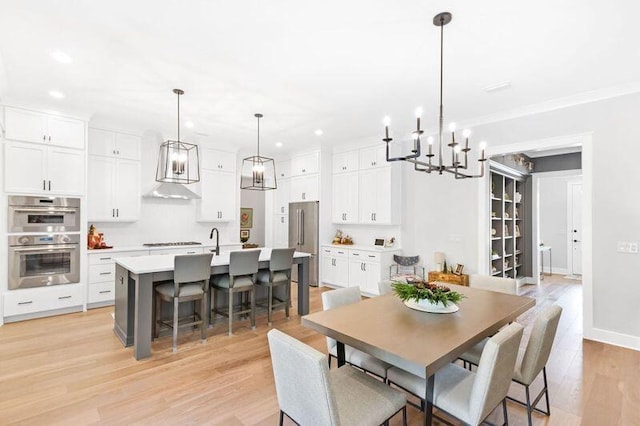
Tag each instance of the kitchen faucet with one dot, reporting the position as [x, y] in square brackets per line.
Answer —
[217, 251]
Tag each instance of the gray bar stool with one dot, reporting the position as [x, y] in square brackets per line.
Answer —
[243, 269]
[190, 283]
[278, 274]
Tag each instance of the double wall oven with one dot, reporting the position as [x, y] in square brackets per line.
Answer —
[44, 245]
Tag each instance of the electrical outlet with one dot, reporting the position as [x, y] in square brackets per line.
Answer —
[633, 248]
[627, 247]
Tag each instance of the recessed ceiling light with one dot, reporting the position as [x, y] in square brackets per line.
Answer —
[279, 144]
[319, 132]
[61, 57]
[188, 124]
[56, 94]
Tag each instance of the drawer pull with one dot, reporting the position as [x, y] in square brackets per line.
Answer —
[105, 273]
[104, 291]
[191, 252]
[64, 297]
[356, 254]
[105, 258]
[371, 255]
[25, 303]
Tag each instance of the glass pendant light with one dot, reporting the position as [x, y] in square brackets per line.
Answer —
[178, 161]
[258, 172]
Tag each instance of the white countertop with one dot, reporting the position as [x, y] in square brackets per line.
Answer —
[164, 262]
[360, 247]
[149, 248]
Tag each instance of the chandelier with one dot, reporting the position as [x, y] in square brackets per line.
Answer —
[459, 162]
[178, 161]
[258, 172]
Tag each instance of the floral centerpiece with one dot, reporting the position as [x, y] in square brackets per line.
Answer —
[426, 296]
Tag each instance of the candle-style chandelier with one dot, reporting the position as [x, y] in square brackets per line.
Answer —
[458, 165]
[258, 172]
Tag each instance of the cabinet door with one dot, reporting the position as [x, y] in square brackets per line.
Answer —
[218, 202]
[102, 142]
[328, 271]
[101, 178]
[283, 170]
[66, 132]
[382, 213]
[305, 188]
[367, 195]
[228, 210]
[345, 162]
[371, 158]
[127, 190]
[25, 168]
[24, 125]
[281, 231]
[372, 273]
[127, 146]
[281, 197]
[345, 198]
[305, 164]
[215, 159]
[356, 273]
[65, 171]
[341, 271]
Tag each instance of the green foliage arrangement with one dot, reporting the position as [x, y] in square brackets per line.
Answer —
[426, 291]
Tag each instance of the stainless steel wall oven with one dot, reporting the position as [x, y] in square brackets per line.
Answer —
[44, 214]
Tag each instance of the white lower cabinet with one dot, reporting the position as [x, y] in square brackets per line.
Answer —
[102, 272]
[42, 299]
[351, 267]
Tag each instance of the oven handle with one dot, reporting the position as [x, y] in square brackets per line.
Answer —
[47, 210]
[56, 248]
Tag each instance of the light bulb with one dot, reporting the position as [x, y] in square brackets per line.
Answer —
[174, 156]
[466, 133]
[386, 121]
[258, 168]
[430, 140]
[419, 112]
[483, 145]
[457, 149]
[452, 127]
[182, 157]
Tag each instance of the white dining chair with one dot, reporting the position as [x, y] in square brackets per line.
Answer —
[470, 396]
[534, 359]
[311, 394]
[499, 284]
[345, 296]
[384, 287]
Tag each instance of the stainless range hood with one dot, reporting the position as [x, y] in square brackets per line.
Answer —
[174, 191]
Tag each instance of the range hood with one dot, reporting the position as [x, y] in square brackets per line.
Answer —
[174, 191]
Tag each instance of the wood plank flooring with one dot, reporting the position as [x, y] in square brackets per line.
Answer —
[72, 370]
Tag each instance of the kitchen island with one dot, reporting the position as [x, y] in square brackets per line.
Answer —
[134, 292]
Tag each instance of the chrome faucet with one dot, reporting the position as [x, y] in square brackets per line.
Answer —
[217, 251]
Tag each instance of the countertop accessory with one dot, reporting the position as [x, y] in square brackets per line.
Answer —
[427, 296]
[258, 172]
[178, 162]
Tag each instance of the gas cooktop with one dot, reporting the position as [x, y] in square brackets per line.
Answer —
[176, 243]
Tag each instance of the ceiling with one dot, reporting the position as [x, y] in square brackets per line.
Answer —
[335, 65]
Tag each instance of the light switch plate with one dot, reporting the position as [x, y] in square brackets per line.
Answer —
[628, 247]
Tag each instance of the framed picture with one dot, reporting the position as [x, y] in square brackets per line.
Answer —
[244, 235]
[458, 269]
[379, 242]
[246, 217]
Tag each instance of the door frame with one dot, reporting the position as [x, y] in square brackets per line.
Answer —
[483, 189]
[570, 207]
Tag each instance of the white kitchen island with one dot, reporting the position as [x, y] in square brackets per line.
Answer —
[134, 292]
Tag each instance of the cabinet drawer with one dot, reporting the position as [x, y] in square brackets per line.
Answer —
[101, 292]
[192, 250]
[102, 273]
[107, 258]
[19, 302]
[365, 256]
[335, 252]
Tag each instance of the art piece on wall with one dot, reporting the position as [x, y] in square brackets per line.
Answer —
[246, 218]
[244, 235]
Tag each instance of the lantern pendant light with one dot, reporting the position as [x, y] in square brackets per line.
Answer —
[178, 161]
[258, 172]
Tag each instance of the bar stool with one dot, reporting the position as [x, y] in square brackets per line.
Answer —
[190, 283]
[243, 269]
[278, 274]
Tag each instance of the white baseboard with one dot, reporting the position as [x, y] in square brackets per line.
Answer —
[613, 338]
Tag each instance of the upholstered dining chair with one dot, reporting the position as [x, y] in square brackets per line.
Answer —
[190, 283]
[533, 360]
[277, 275]
[499, 284]
[469, 396]
[243, 270]
[311, 394]
[406, 266]
[345, 296]
[384, 287]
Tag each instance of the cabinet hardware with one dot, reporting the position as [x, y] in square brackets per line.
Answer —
[191, 252]
[117, 212]
[64, 297]
[113, 212]
[364, 267]
[282, 209]
[118, 152]
[49, 185]
[25, 303]
[304, 170]
[121, 280]
[44, 184]
[104, 291]
[356, 254]
[114, 152]
[44, 138]
[304, 195]
[105, 273]
[105, 258]
[282, 220]
[49, 138]
[340, 252]
[372, 256]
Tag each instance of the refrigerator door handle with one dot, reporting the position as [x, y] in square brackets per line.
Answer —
[298, 226]
[302, 226]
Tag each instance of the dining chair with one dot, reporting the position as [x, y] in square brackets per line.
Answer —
[406, 267]
[499, 284]
[345, 296]
[384, 287]
[533, 360]
[190, 283]
[243, 269]
[277, 275]
[311, 394]
[466, 395]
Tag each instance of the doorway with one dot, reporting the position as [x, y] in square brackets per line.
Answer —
[574, 222]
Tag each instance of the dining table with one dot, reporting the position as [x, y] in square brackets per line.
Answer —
[135, 278]
[416, 341]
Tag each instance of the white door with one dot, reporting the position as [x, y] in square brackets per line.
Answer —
[65, 170]
[127, 190]
[100, 203]
[66, 132]
[102, 142]
[575, 232]
[127, 146]
[24, 125]
[25, 168]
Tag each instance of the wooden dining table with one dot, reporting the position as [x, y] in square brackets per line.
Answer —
[415, 341]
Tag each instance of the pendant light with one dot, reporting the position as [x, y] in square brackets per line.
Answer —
[178, 161]
[258, 172]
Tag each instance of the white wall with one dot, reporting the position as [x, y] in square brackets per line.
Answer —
[553, 219]
[255, 201]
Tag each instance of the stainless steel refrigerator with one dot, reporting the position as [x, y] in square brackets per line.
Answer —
[303, 235]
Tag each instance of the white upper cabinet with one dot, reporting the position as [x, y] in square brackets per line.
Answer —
[345, 162]
[113, 144]
[283, 170]
[114, 189]
[305, 164]
[218, 196]
[345, 198]
[379, 196]
[65, 171]
[281, 197]
[215, 159]
[36, 127]
[371, 158]
[305, 188]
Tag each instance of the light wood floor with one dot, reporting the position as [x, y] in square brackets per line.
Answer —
[72, 370]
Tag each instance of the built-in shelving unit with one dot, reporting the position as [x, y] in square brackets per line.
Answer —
[507, 230]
